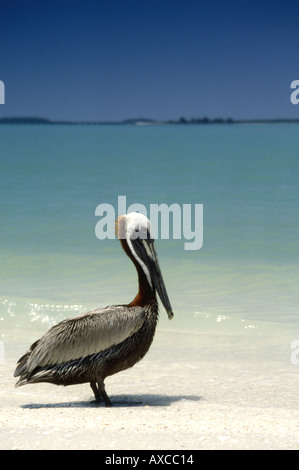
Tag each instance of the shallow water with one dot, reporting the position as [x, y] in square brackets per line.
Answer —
[236, 297]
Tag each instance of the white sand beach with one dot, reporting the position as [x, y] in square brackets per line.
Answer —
[158, 405]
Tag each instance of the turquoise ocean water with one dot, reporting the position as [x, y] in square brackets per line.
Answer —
[241, 285]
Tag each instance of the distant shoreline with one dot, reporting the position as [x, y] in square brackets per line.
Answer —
[147, 122]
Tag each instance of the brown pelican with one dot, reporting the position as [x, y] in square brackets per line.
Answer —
[102, 342]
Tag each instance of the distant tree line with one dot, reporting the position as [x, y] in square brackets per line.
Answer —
[182, 120]
[203, 120]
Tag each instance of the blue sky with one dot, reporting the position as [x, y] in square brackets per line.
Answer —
[162, 59]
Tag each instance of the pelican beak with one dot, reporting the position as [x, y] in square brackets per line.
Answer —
[150, 258]
[161, 289]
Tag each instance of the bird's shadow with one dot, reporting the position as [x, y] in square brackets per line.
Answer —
[119, 401]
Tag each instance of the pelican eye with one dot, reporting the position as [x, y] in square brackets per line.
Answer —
[142, 232]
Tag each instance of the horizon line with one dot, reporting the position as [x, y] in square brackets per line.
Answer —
[145, 121]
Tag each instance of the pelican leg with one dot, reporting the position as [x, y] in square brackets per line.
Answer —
[97, 394]
[102, 391]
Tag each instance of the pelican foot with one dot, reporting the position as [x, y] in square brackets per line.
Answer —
[95, 391]
[102, 391]
[100, 394]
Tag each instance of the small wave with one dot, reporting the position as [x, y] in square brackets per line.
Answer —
[51, 313]
[17, 312]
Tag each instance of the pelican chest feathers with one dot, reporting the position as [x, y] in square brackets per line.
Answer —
[102, 342]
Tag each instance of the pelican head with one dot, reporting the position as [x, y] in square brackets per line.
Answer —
[134, 229]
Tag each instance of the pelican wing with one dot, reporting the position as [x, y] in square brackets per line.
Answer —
[87, 334]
